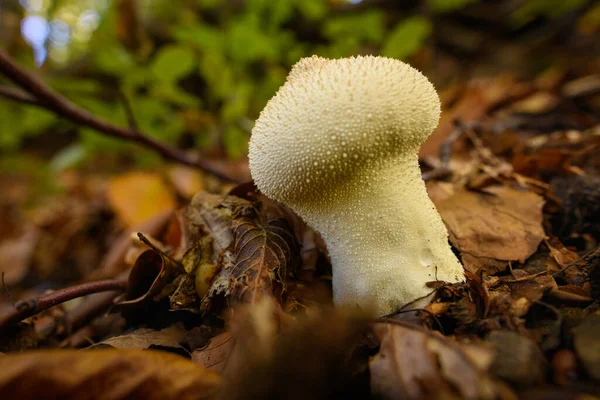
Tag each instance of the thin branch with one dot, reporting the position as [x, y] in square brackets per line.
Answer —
[44, 97]
[27, 308]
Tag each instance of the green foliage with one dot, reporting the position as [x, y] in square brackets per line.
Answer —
[200, 71]
[407, 37]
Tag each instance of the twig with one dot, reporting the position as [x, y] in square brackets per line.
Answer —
[27, 308]
[40, 95]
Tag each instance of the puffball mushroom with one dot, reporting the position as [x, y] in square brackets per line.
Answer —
[338, 144]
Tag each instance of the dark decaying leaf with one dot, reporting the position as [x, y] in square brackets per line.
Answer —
[104, 374]
[415, 364]
[263, 256]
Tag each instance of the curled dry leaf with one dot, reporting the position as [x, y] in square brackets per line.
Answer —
[104, 374]
[415, 364]
[263, 253]
[150, 275]
[490, 227]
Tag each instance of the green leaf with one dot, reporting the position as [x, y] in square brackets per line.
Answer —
[312, 9]
[172, 63]
[407, 37]
[203, 37]
[247, 43]
[235, 141]
[174, 94]
[367, 26]
[113, 60]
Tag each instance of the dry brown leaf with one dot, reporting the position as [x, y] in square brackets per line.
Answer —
[144, 338]
[414, 364]
[104, 374]
[149, 276]
[501, 224]
[562, 255]
[139, 196]
[263, 254]
[216, 354]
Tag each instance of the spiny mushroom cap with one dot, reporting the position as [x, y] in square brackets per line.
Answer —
[332, 117]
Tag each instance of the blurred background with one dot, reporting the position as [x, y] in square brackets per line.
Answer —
[196, 73]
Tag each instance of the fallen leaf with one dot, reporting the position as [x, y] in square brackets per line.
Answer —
[149, 276]
[415, 364]
[106, 374]
[215, 355]
[499, 224]
[138, 196]
[263, 254]
[144, 338]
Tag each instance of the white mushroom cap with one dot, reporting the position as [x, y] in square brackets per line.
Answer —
[338, 144]
[332, 116]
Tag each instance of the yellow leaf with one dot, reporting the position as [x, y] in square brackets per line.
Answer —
[139, 196]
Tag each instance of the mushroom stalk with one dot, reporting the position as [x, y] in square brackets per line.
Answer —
[380, 228]
[338, 144]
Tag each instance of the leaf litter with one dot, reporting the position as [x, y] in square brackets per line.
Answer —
[239, 288]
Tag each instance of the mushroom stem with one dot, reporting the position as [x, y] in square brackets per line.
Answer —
[384, 240]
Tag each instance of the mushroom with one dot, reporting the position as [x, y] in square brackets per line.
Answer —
[338, 144]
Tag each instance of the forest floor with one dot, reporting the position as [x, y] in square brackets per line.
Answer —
[158, 260]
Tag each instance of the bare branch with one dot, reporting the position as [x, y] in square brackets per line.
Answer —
[28, 308]
[44, 97]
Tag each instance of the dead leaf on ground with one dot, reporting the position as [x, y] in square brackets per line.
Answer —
[215, 356]
[263, 256]
[104, 374]
[414, 364]
[144, 338]
[149, 276]
[492, 227]
[139, 196]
